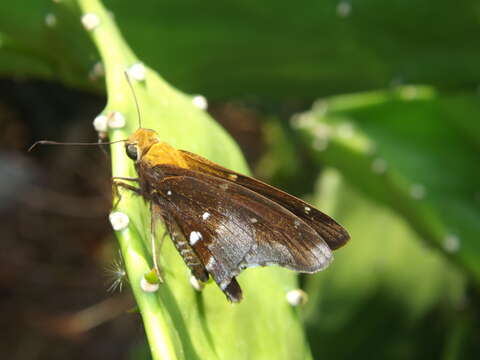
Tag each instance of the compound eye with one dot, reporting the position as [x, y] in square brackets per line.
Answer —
[132, 151]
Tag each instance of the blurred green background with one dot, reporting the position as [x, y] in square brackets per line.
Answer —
[368, 109]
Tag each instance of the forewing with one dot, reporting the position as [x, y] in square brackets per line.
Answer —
[231, 227]
[333, 233]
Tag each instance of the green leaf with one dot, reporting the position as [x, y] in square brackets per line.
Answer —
[179, 322]
[386, 295]
[271, 48]
[403, 148]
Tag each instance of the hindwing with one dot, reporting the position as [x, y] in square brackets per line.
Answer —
[231, 227]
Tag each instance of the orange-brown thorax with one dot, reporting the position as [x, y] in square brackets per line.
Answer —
[152, 151]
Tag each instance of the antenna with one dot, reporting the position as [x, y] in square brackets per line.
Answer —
[135, 98]
[48, 142]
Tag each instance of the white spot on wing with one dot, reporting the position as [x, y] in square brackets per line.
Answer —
[210, 263]
[223, 285]
[253, 220]
[169, 192]
[205, 215]
[307, 210]
[194, 237]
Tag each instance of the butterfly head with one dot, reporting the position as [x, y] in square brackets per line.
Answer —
[140, 142]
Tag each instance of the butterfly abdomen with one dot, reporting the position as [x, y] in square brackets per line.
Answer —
[189, 256]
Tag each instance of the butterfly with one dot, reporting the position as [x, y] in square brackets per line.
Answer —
[222, 222]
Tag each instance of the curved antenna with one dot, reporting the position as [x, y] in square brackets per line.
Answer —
[135, 98]
[48, 142]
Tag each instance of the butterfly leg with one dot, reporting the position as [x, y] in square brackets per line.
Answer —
[155, 217]
[120, 184]
[125, 178]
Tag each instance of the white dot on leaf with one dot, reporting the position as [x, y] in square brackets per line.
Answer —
[50, 20]
[451, 243]
[344, 8]
[116, 120]
[409, 92]
[137, 71]
[320, 144]
[119, 220]
[196, 284]
[147, 286]
[297, 297]
[90, 21]
[379, 166]
[100, 123]
[417, 191]
[345, 130]
[97, 71]
[200, 102]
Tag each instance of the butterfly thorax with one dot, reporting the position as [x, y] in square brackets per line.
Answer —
[162, 153]
[150, 151]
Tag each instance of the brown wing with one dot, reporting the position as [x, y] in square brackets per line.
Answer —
[231, 227]
[185, 250]
[333, 233]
